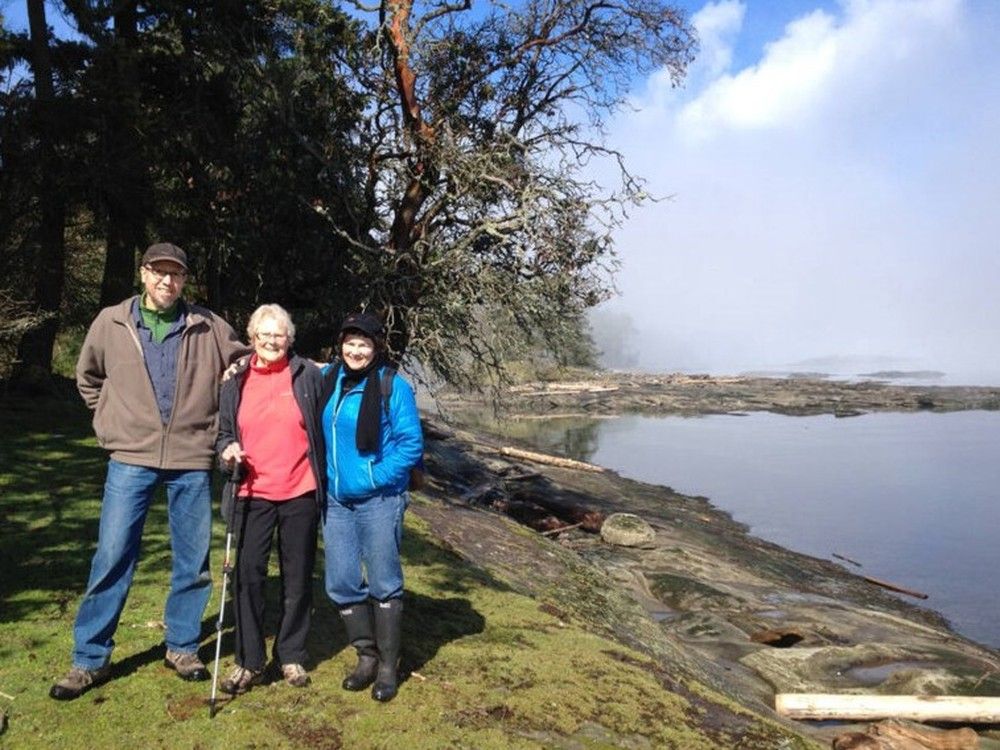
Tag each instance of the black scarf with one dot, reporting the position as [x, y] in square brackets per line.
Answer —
[368, 436]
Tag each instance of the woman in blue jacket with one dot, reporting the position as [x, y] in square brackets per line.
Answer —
[370, 448]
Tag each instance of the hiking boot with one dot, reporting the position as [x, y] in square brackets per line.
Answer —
[187, 666]
[78, 681]
[240, 680]
[294, 675]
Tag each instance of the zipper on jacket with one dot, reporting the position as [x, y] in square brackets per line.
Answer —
[333, 443]
[135, 340]
[142, 357]
[333, 435]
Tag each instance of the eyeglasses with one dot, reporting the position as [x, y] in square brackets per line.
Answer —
[271, 336]
[160, 274]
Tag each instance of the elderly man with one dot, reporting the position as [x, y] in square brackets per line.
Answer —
[150, 369]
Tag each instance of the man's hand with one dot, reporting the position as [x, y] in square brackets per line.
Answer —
[231, 370]
[232, 454]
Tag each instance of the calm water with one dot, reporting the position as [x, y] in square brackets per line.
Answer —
[913, 497]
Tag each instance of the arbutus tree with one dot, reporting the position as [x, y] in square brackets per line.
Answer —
[478, 232]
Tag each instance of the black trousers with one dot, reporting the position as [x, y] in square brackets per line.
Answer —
[296, 521]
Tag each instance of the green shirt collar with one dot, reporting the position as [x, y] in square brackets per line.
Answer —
[167, 316]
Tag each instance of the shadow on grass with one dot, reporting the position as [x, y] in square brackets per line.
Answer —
[429, 622]
[51, 480]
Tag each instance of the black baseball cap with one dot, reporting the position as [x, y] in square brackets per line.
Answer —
[367, 323]
[165, 251]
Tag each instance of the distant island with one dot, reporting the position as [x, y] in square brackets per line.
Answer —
[587, 392]
[818, 375]
[898, 374]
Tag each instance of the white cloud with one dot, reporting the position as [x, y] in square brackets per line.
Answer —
[717, 24]
[784, 84]
[816, 62]
[837, 197]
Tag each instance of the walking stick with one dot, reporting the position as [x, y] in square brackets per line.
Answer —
[228, 511]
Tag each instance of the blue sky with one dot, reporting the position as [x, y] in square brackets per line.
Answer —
[764, 21]
[834, 172]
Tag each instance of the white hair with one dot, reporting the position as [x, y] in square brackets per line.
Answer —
[272, 312]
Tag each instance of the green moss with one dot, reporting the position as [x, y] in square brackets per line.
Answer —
[629, 522]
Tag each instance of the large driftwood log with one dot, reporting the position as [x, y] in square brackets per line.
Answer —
[897, 735]
[542, 458]
[957, 708]
[894, 587]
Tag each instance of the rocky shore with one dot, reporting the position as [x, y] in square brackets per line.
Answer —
[616, 393]
[714, 605]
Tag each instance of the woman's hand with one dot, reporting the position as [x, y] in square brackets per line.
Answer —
[232, 453]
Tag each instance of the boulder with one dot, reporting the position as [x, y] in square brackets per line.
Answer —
[627, 530]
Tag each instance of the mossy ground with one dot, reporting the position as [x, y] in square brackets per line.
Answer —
[486, 667]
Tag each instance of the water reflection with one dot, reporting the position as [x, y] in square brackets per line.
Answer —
[573, 437]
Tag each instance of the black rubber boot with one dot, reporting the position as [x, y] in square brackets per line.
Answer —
[360, 634]
[388, 624]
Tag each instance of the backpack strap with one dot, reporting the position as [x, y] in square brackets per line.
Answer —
[329, 383]
[385, 385]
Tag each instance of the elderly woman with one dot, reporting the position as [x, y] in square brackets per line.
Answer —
[373, 439]
[268, 422]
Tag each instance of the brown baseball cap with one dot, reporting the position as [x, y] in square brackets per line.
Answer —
[165, 251]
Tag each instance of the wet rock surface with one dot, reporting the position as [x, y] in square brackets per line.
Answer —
[709, 601]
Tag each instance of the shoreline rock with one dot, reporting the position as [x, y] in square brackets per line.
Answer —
[604, 393]
[710, 602]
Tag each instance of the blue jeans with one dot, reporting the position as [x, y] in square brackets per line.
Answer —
[364, 532]
[128, 492]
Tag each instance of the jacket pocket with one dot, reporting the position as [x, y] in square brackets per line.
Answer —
[354, 479]
[98, 421]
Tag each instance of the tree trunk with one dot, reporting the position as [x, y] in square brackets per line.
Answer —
[35, 348]
[407, 227]
[126, 183]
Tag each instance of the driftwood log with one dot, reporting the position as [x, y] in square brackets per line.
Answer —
[894, 587]
[897, 735]
[552, 532]
[855, 563]
[956, 708]
[544, 458]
